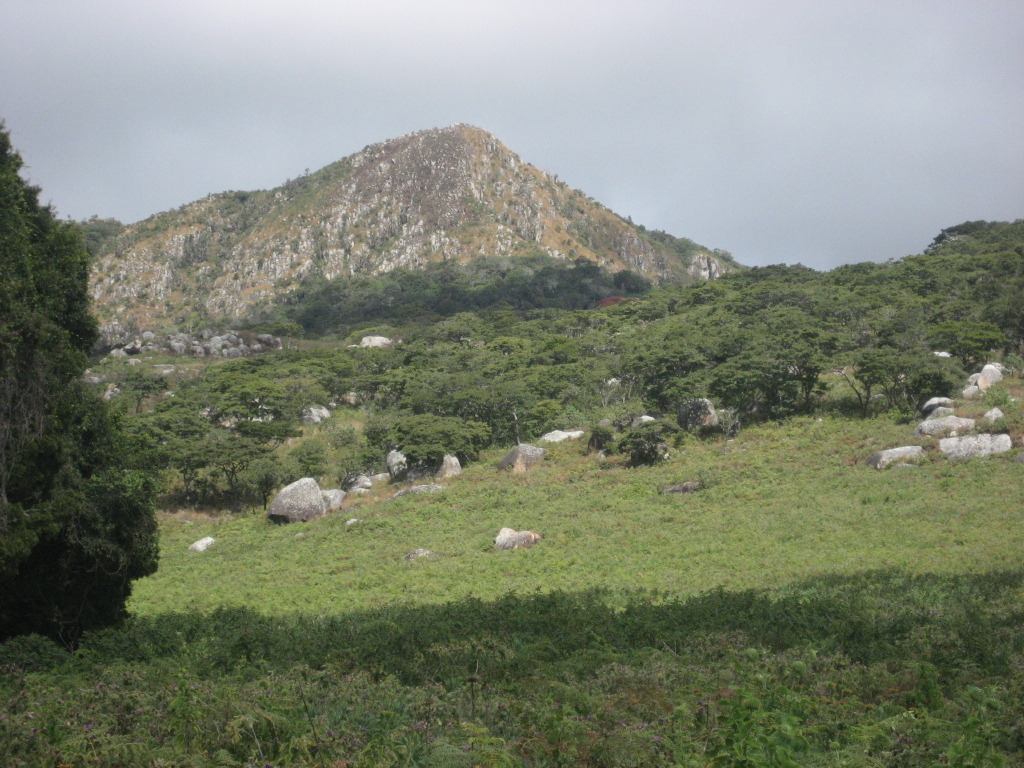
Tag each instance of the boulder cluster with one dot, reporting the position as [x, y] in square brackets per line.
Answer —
[206, 343]
[940, 420]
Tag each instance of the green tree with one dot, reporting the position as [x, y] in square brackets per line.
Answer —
[969, 341]
[76, 510]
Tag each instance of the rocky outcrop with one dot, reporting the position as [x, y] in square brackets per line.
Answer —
[882, 459]
[449, 194]
[521, 458]
[299, 502]
[509, 538]
[974, 446]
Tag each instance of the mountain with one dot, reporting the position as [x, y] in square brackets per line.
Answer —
[449, 194]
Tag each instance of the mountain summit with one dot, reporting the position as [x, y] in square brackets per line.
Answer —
[453, 193]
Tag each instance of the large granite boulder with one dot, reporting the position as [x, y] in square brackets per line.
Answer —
[450, 466]
[509, 538]
[989, 375]
[974, 446]
[940, 412]
[943, 425]
[557, 436]
[695, 413]
[202, 545]
[299, 502]
[521, 458]
[333, 498]
[314, 414]
[882, 459]
[398, 465]
[425, 488]
[380, 342]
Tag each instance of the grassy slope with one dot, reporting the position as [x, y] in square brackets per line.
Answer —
[788, 502]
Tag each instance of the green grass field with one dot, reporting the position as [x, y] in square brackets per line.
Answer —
[785, 502]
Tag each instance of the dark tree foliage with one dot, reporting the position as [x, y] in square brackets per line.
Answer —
[76, 515]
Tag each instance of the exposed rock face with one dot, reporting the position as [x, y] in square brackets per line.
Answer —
[299, 502]
[314, 414]
[509, 538]
[333, 499]
[398, 465]
[882, 459]
[696, 413]
[202, 545]
[945, 424]
[521, 458]
[447, 194]
[558, 436]
[450, 466]
[974, 446]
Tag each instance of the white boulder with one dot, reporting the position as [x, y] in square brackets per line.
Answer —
[202, 545]
[974, 446]
[882, 459]
[558, 436]
[509, 538]
[299, 502]
[945, 424]
[380, 342]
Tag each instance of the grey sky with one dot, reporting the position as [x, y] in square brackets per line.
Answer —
[781, 131]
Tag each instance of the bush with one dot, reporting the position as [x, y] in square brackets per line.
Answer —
[646, 444]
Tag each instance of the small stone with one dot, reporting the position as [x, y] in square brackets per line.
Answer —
[352, 521]
[993, 414]
[202, 545]
[427, 488]
[416, 553]
[687, 487]
[558, 436]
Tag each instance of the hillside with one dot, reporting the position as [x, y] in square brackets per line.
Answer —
[446, 195]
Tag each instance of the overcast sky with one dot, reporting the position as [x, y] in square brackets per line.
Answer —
[782, 131]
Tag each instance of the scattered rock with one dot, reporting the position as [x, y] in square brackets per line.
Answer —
[333, 498]
[521, 458]
[604, 423]
[417, 553]
[509, 538]
[232, 353]
[1020, 459]
[945, 424]
[148, 336]
[695, 413]
[380, 342]
[427, 488]
[352, 521]
[135, 361]
[937, 402]
[882, 459]
[942, 354]
[641, 420]
[301, 501]
[202, 545]
[687, 487]
[314, 414]
[450, 466]
[974, 446]
[993, 414]
[118, 353]
[971, 391]
[398, 465]
[939, 413]
[265, 339]
[383, 477]
[112, 392]
[357, 484]
[558, 436]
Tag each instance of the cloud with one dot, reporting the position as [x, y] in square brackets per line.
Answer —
[791, 131]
